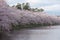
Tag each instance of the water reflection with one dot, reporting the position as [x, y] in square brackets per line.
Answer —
[41, 34]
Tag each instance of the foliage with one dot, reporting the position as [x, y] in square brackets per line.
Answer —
[40, 10]
[37, 10]
[26, 6]
[18, 6]
[23, 6]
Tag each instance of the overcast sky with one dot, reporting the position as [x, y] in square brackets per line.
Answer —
[52, 7]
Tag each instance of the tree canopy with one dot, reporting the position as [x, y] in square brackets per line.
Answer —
[26, 6]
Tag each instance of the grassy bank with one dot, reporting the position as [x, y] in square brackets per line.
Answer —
[31, 25]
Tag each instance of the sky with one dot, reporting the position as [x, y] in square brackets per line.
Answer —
[52, 7]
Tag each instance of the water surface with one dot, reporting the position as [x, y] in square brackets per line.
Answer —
[38, 34]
